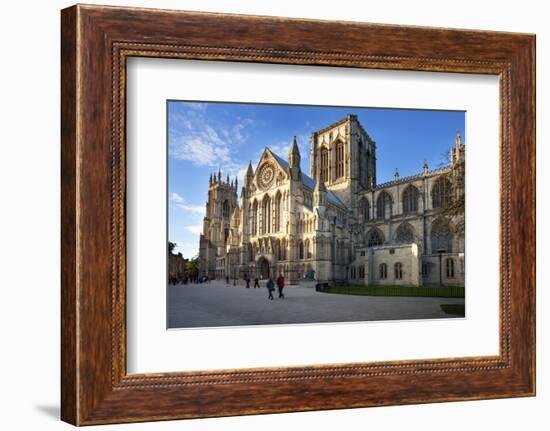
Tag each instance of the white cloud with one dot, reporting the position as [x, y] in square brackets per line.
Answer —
[281, 149]
[174, 197]
[194, 229]
[197, 105]
[195, 209]
[180, 202]
[193, 138]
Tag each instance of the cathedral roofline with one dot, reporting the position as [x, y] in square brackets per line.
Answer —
[307, 181]
[333, 125]
[348, 117]
[402, 180]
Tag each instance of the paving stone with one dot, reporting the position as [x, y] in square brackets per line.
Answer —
[218, 304]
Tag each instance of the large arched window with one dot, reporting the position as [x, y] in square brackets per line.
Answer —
[339, 159]
[360, 161]
[383, 205]
[266, 215]
[277, 221]
[441, 192]
[301, 250]
[324, 164]
[404, 233]
[383, 271]
[226, 208]
[441, 236]
[364, 208]
[375, 238]
[307, 247]
[410, 200]
[255, 218]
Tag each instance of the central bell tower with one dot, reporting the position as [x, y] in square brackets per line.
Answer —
[343, 156]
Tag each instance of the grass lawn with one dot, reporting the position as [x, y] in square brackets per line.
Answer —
[433, 292]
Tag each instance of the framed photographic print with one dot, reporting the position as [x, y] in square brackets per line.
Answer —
[266, 215]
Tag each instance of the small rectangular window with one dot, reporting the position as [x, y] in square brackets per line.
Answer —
[450, 267]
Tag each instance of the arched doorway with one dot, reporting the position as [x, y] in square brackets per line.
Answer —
[263, 268]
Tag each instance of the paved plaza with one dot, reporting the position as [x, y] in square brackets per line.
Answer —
[219, 304]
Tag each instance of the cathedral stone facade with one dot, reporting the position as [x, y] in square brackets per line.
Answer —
[336, 224]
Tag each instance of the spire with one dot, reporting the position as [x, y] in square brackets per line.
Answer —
[236, 183]
[457, 141]
[210, 180]
[227, 179]
[294, 150]
[219, 176]
[396, 175]
[249, 175]
[425, 167]
[294, 155]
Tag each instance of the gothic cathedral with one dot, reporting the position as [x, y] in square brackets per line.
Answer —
[336, 225]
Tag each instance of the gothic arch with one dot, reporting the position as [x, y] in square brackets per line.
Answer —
[226, 209]
[441, 192]
[340, 159]
[441, 236]
[375, 237]
[307, 249]
[364, 208]
[266, 214]
[360, 162]
[277, 213]
[405, 233]
[384, 204]
[410, 199]
[254, 218]
[324, 164]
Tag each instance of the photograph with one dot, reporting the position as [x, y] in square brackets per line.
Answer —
[285, 214]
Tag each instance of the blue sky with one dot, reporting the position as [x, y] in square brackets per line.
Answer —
[205, 137]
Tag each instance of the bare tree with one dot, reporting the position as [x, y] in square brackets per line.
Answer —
[454, 205]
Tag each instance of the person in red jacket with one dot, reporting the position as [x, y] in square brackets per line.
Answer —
[281, 285]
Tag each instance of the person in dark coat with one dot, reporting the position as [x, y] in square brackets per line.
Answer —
[247, 279]
[256, 282]
[281, 285]
[270, 288]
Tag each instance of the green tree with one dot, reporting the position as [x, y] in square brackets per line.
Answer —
[193, 266]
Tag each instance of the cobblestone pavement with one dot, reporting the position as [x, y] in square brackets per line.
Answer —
[219, 304]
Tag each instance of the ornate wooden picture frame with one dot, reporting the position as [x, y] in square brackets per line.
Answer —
[96, 42]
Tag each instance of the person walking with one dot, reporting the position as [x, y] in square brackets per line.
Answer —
[256, 282]
[281, 285]
[270, 288]
[247, 278]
